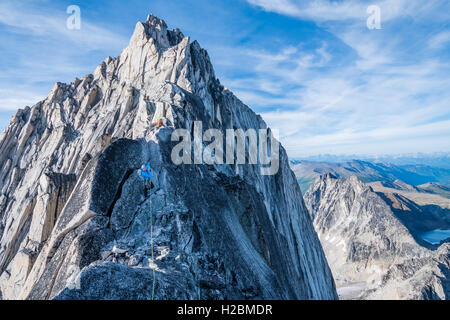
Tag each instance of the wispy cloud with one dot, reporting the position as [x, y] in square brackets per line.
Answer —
[391, 95]
[51, 24]
[331, 10]
[314, 70]
[440, 40]
[44, 50]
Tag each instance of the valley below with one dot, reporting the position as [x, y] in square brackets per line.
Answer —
[384, 238]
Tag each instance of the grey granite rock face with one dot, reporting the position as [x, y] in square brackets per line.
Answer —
[367, 242]
[75, 218]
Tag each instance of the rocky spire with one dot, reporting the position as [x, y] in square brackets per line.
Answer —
[75, 213]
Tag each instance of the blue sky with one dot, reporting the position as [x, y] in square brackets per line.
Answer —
[311, 68]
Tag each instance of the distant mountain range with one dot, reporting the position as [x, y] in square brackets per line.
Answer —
[438, 179]
[438, 159]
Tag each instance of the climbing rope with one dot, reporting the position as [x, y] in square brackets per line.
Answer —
[146, 174]
[151, 240]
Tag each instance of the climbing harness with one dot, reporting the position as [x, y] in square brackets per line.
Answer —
[146, 174]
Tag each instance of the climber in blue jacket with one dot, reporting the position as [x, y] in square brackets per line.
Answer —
[146, 174]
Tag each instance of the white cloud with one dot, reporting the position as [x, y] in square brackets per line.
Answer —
[52, 24]
[280, 6]
[15, 99]
[392, 96]
[45, 51]
[400, 139]
[331, 10]
[337, 106]
[439, 40]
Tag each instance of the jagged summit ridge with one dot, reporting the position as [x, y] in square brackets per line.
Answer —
[75, 213]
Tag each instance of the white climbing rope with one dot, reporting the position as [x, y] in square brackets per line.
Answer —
[151, 241]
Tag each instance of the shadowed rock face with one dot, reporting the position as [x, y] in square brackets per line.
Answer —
[366, 240]
[75, 214]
